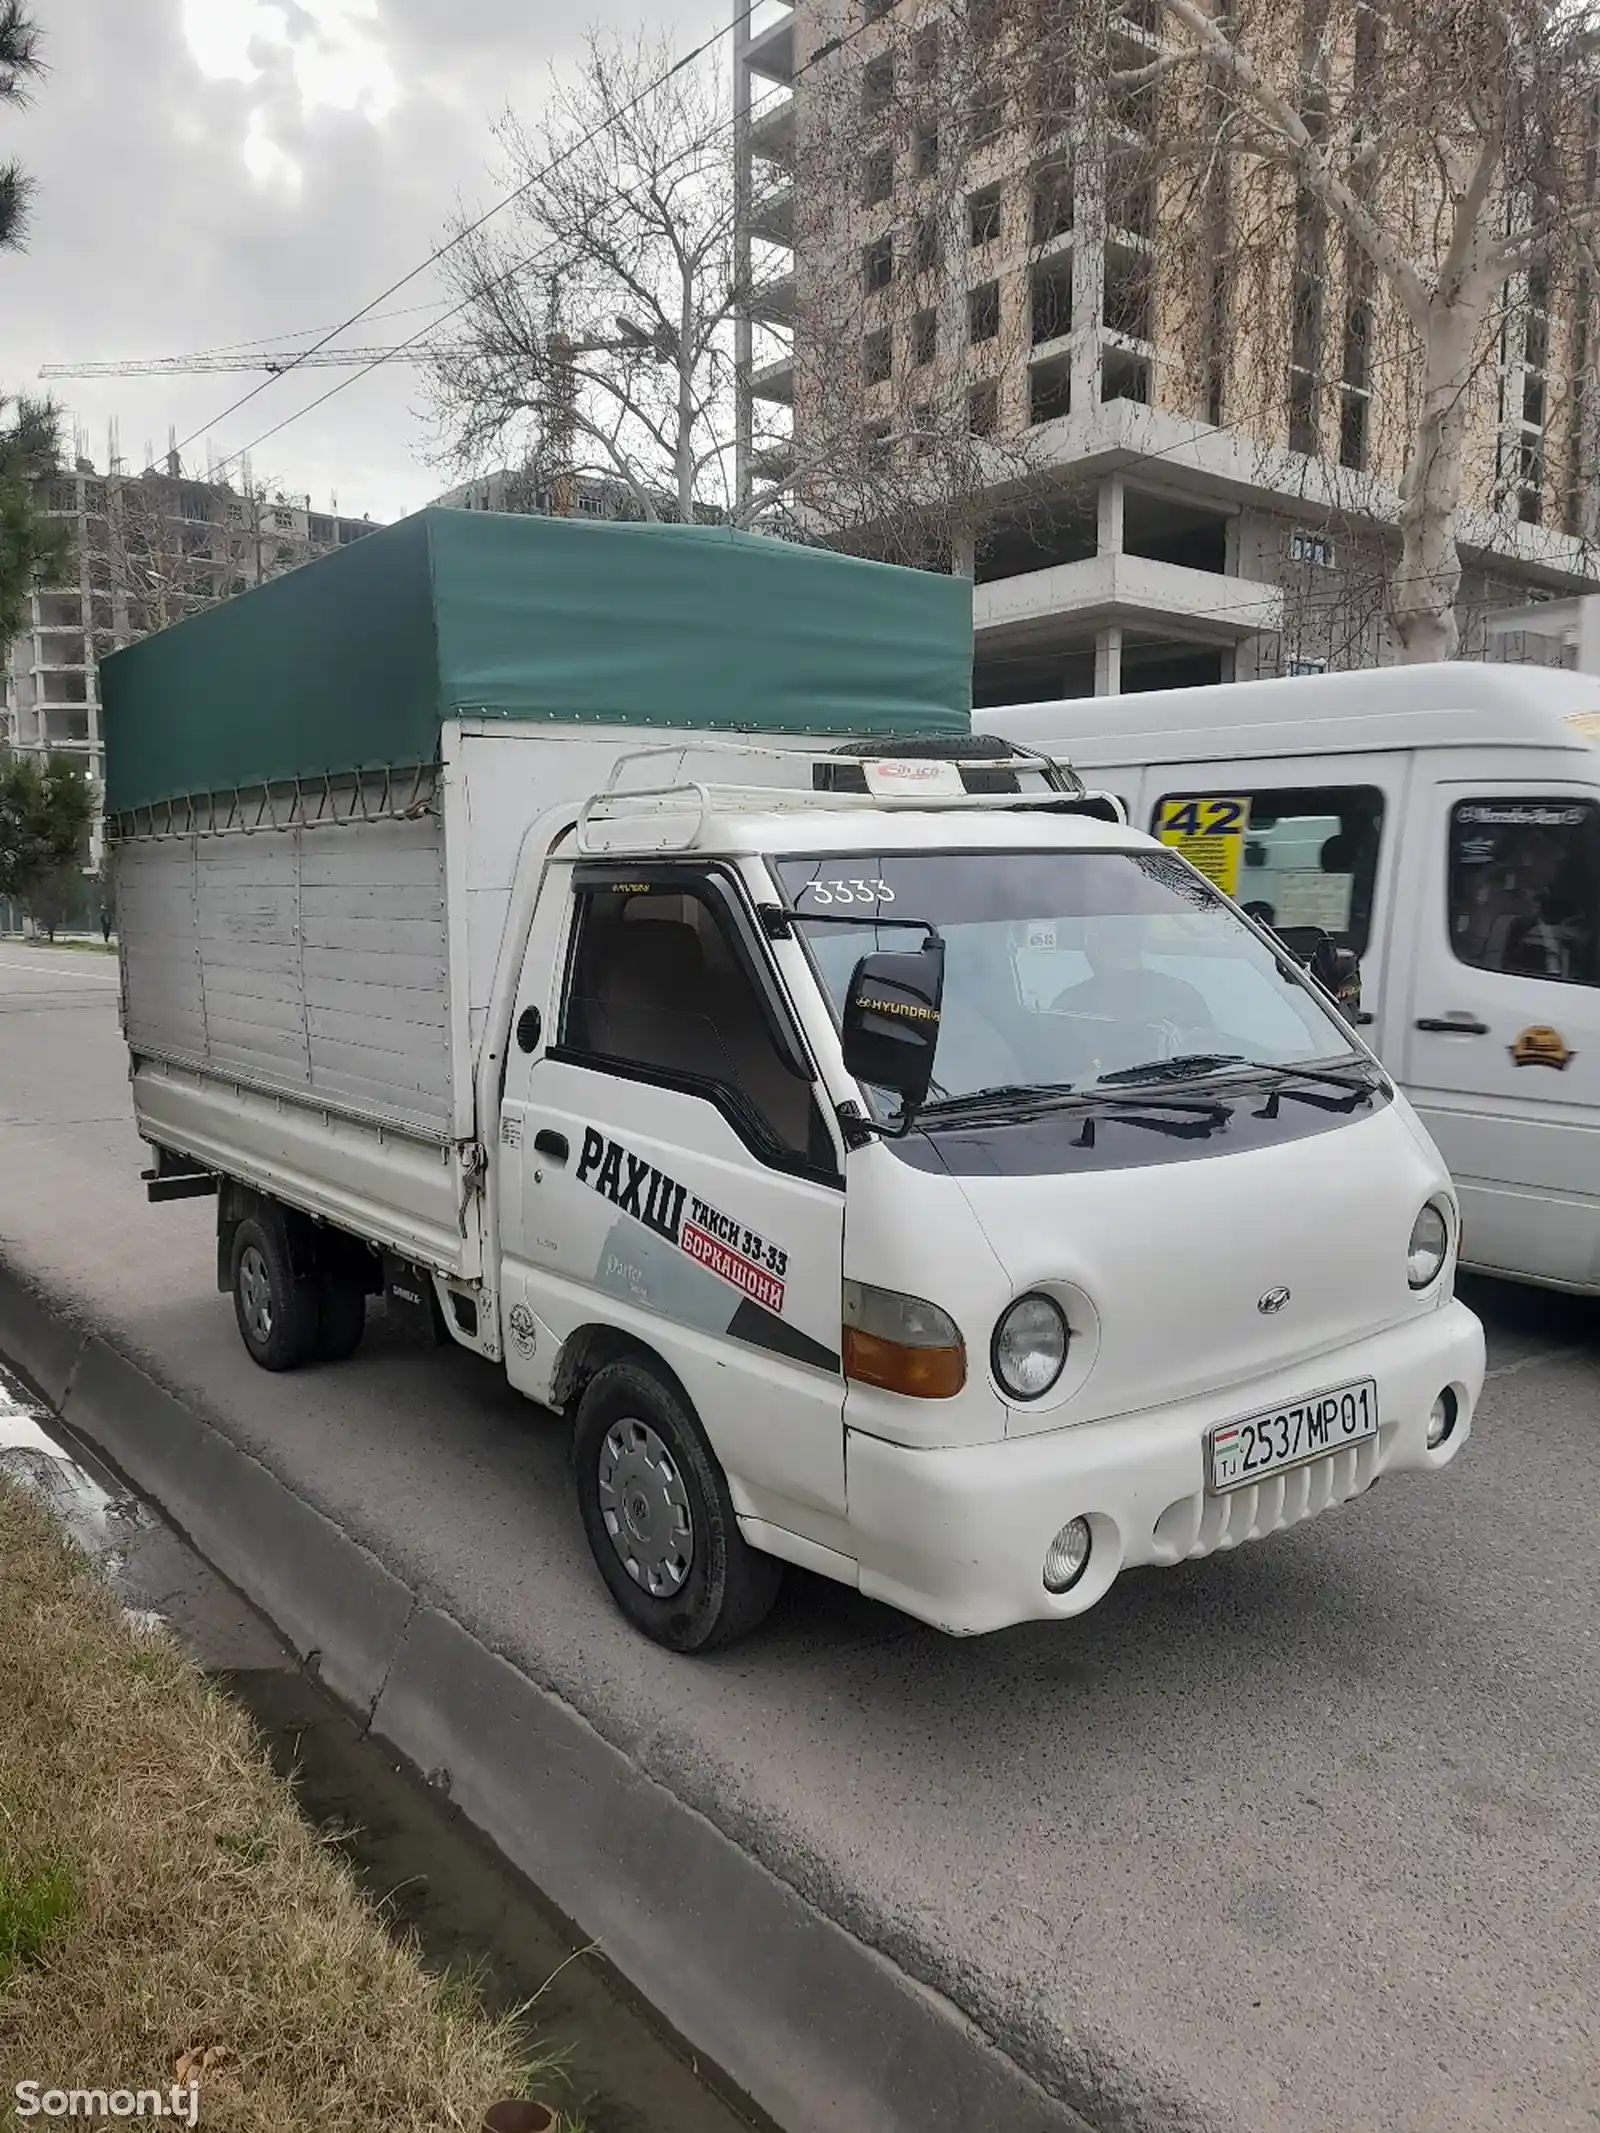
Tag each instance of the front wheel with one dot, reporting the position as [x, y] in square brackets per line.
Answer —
[659, 1519]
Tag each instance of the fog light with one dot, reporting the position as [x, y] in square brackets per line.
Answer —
[1068, 1556]
[1442, 1420]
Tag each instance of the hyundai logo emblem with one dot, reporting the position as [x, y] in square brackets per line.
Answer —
[1273, 1302]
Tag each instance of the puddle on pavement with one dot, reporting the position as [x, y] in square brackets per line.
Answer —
[623, 2072]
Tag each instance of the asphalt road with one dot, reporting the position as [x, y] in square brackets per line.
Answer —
[1299, 1839]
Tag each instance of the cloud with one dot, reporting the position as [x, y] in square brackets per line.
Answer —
[231, 171]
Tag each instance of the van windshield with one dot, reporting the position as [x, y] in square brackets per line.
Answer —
[1065, 968]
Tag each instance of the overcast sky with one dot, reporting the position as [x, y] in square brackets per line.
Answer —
[223, 171]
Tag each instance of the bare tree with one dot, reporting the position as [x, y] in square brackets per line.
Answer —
[597, 337]
[934, 338]
[1360, 234]
[1382, 218]
[163, 548]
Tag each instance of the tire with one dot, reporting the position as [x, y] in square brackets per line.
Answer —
[653, 1497]
[276, 1311]
[341, 1317]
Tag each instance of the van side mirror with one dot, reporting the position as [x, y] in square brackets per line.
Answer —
[891, 1021]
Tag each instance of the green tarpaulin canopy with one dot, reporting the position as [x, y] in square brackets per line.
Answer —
[352, 663]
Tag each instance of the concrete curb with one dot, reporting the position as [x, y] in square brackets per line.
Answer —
[821, 2031]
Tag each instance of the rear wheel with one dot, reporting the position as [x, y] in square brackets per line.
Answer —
[275, 1308]
[659, 1518]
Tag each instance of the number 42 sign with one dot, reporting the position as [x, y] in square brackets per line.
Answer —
[1210, 835]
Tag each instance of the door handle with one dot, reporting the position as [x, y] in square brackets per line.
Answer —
[1454, 1025]
[554, 1145]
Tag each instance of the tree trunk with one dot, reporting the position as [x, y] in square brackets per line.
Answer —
[1423, 590]
[686, 343]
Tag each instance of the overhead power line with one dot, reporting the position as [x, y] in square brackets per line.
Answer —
[688, 59]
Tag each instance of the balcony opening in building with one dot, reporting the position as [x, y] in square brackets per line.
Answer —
[1128, 292]
[1124, 376]
[924, 337]
[1051, 209]
[925, 152]
[877, 263]
[1050, 389]
[1164, 529]
[877, 357]
[877, 176]
[983, 407]
[927, 250]
[983, 311]
[986, 112]
[1158, 665]
[1034, 537]
[1052, 90]
[1050, 298]
[984, 212]
[877, 86]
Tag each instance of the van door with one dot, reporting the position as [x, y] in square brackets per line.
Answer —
[1502, 1054]
[677, 1178]
[1296, 842]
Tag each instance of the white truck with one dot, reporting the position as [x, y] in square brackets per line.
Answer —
[889, 1161]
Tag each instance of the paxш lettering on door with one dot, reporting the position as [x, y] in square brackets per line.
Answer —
[712, 1239]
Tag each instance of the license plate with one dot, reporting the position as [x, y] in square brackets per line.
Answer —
[1263, 1444]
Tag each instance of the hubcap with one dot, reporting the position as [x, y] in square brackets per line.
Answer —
[255, 1292]
[646, 1509]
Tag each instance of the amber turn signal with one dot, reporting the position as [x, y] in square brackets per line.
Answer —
[901, 1343]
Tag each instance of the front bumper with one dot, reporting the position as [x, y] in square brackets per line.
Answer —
[958, 1537]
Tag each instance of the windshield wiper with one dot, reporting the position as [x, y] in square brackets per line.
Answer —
[1007, 1097]
[1017, 1102]
[1362, 1075]
[1186, 1066]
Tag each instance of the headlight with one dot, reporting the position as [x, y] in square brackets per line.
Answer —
[1430, 1241]
[1030, 1347]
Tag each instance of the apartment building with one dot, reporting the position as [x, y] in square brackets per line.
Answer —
[1187, 475]
[147, 550]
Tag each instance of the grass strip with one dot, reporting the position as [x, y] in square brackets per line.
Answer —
[163, 1902]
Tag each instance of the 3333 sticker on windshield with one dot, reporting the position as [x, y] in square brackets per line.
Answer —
[849, 890]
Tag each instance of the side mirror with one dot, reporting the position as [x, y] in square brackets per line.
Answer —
[1337, 970]
[891, 1021]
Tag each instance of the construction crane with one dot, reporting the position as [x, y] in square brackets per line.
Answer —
[561, 352]
[273, 364]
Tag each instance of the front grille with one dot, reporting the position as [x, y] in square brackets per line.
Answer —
[1199, 1525]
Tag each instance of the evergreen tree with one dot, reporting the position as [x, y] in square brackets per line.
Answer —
[20, 63]
[31, 546]
[46, 810]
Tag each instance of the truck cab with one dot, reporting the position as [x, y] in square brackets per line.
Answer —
[949, 1192]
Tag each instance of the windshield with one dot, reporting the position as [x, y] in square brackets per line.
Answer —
[1064, 968]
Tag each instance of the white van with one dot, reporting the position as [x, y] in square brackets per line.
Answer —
[1442, 822]
[887, 1169]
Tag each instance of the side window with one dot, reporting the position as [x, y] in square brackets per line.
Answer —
[1525, 887]
[1301, 857]
[656, 987]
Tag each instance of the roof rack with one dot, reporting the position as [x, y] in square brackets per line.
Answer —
[964, 749]
[673, 818]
